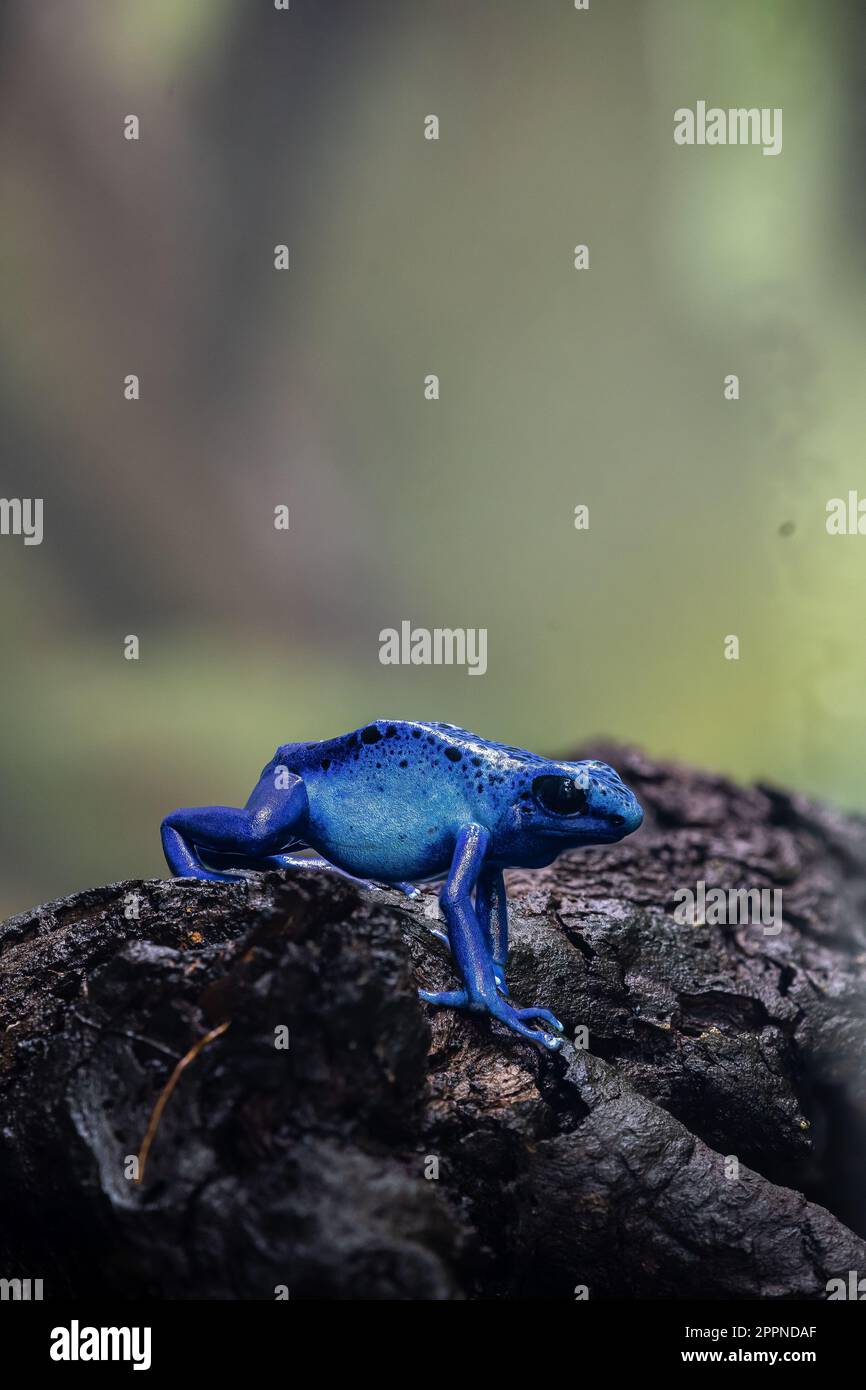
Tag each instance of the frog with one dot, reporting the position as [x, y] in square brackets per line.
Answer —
[404, 803]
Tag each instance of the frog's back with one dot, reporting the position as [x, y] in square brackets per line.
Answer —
[423, 743]
[330, 755]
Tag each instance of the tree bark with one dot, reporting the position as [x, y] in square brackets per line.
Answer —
[708, 1141]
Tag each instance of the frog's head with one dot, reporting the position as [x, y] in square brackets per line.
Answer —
[580, 803]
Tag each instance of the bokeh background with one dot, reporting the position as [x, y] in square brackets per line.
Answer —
[408, 257]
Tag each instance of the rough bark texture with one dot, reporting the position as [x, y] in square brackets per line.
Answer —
[312, 1168]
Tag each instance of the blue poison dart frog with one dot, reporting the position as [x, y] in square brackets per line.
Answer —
[402, 803]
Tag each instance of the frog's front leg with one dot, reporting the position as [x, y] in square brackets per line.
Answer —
[471, 950]
[491, 907]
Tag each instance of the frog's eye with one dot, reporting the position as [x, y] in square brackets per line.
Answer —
[561, 795]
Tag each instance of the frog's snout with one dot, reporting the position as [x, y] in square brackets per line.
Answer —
[615, 803]
[630, 818]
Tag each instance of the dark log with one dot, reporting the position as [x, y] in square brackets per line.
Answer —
[312, 1169]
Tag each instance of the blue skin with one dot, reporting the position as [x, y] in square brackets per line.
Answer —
[402, 803]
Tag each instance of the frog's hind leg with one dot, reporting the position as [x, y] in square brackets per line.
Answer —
[224, 843]
[273, 817]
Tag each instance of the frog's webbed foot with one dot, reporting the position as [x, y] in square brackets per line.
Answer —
[315, 861]
[515, 1019]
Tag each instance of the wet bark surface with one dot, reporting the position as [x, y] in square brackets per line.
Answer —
[708, 1140]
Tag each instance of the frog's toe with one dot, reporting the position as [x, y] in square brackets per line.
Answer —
[544, 1014]
[516, 1020]
[501, 982]
[537, 1035]
[545, 1039]
[447, 999]
[409, 889]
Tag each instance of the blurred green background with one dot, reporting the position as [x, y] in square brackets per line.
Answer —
[408, 257]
